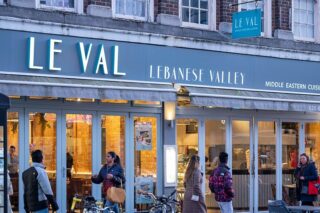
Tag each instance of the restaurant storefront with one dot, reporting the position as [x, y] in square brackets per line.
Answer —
[76, 98]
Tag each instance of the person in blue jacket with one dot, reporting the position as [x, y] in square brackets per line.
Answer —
[111, 174]
[306, 171]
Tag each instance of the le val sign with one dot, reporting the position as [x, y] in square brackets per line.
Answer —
[246, 24]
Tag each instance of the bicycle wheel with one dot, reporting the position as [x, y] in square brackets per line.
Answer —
[161, 209]
[85, 210]
[156, 209]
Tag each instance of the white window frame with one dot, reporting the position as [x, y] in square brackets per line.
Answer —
[78, 7]
[212, 18]
[315, 23]
[267, 17]
[149, 12]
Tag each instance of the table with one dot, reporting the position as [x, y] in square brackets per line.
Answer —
[308, 209]
[292, 195]
[290, 186]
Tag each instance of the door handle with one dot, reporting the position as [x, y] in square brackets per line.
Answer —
[63, 172]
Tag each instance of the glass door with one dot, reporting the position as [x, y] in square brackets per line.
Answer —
[215, 142]
[113, 139]
[77, 166]
[188, 145]
[42, 131]
[265, 162]
[290, 135]
[242, 171]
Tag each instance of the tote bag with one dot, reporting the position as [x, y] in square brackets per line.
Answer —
[116, 195]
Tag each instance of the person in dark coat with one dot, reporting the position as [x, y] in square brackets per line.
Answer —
[193, 196]
[305, 172]
[111, 174]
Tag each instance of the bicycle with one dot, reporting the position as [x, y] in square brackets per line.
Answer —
[90, 205]
[163, 204]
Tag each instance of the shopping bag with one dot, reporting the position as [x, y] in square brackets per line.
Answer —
[314, 187]
[116, 195]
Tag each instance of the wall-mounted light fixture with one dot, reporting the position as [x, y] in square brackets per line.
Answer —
[170, 165]
[170, 112]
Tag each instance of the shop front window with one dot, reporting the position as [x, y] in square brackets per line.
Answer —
[188, 145]
[145, 161]
[215, 143]
[13, 159]
[312, 142]
[42, 135]
[78, 154]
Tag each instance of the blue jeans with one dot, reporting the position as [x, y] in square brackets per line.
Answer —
[113, 206]
[226, 207]
[42, 211]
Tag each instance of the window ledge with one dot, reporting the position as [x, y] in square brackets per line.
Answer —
[129, 17]
[283, 34]
[53, 8]
[196, 26]
[171, 20]
[303, 39]
[100, 11]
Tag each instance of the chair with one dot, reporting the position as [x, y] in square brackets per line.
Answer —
[278, 206]
[15, 197]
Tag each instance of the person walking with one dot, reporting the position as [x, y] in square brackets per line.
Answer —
[220, 183]
[37, 190]
[306, 171]
[111, 174]
[193, 196]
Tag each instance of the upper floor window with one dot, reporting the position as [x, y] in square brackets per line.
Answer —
[195, 12]
[133, 9]
[251, 5]
[58, 3]
[303, 19]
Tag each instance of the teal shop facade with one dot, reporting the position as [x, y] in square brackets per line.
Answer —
[260, 104]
